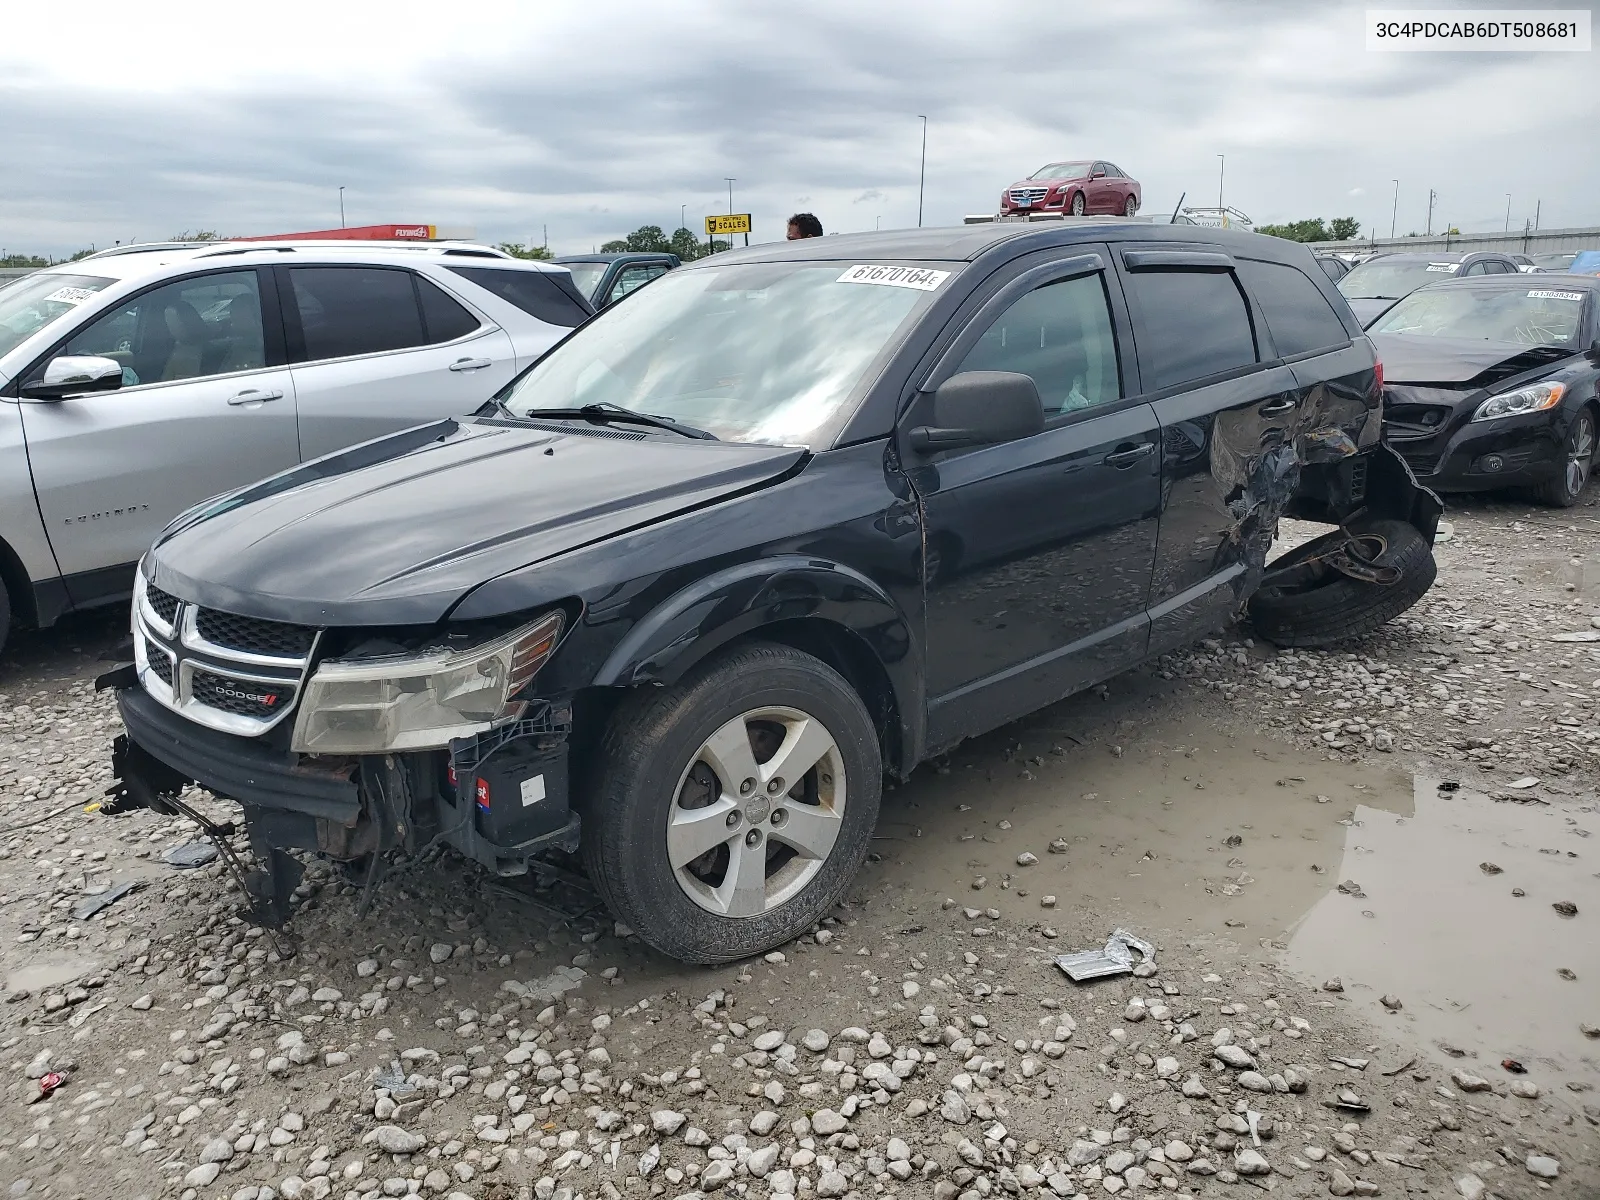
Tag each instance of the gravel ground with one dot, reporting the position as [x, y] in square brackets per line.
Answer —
[1245, 811]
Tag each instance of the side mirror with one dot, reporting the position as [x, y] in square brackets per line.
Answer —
[73, 375]
[981, 408]
[1098, 175]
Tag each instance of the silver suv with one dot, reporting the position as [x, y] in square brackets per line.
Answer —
[138, 382]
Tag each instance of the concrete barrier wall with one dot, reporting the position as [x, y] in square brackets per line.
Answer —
[1544, 241]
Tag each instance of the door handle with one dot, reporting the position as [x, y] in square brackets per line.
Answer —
[1129, 456]
[1276, 408]
[254, 396]
[471, 364]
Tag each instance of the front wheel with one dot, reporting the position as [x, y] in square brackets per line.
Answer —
[1077, 204]
[734, 809]
[1130, 206]
[1577, 461]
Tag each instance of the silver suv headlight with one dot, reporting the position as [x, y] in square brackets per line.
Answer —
[420, 701]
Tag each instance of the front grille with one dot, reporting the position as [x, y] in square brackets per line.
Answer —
[254, 635]
[1029, 195]
[163, 604]
[159, 662]
[245, 697]
[1421, 464]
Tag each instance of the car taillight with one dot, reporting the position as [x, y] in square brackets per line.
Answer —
[1377, 378]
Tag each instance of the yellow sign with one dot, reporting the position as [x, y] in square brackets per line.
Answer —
[730, 223]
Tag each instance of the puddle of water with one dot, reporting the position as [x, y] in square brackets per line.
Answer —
[1475, 966]
[47, 973]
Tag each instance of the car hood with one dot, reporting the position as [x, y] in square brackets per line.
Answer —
[1468, 362]
[396, 531]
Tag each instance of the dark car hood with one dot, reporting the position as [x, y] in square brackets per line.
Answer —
[1470, 362]
[398, 530]
[1367, 311]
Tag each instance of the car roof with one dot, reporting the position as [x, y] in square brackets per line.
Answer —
[142, 260]
[1454, 256]
[1544, 280]
[964, 243]
[651, 255]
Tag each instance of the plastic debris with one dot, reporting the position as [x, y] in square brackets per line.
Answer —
[1512, 1065]
[1253, 1118]
[195, 854]
[47, 1084]
[392, 1079]
[105, 899]
[1527, 781]
[1115, 959]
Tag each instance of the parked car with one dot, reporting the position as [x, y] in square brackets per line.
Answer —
[1585, 262]
[1490, 383]
[1557, 263]
[1076, 188]
[136, 382]
[686, 590]
[1334, 267]
[607, 278]
[1374, 286]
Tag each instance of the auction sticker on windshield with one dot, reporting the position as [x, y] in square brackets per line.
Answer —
[1444, 267]
[69, 295]
[920, 278]
[1539, 294]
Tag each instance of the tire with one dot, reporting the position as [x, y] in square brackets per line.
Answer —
[1130, 206]
[656, 768]
[1077, 204]
[5, 615]
[1578, 459]
[1337, 607]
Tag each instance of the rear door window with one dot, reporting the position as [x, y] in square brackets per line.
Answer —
[346, 311]
[1298, 315]
[537, 293]
[1192, 324]
[443, 318]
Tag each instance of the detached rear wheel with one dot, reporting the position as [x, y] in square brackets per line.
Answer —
[1330, 607]
[734, 809]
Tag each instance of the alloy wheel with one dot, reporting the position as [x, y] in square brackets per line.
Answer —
[757, 812]
[1580, 453]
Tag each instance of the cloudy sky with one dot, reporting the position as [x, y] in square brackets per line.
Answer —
[138, 121]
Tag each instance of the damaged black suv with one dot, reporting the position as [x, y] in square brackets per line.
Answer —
[785, 521]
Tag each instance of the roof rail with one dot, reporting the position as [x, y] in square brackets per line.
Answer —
[141, 248]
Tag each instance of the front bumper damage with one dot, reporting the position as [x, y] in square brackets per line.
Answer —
[499, 798]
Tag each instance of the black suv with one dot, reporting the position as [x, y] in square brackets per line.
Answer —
[790, 519]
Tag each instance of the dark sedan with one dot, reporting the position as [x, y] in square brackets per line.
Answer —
[1491, 383]
[607, 278]
[1374, 286]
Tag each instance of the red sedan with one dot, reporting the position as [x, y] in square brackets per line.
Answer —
[1075, 187]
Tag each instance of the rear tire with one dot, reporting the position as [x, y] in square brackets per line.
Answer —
[1130, 206]
[1577, 461]
[1077, 204]
[663, 759]
[1337, 608]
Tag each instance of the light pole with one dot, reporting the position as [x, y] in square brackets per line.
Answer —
[1508, 212]
[341, 208]
[730, 179]
[683, 216]
[1222, 167]
[1395, 211]
[922, 171]
[1432, 195]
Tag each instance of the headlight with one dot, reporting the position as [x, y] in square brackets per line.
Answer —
[422, 701]
[1536, 397]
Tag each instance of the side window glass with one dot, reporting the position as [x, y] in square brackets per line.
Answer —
[1060, 335]
[1476, 268]
[355, 310]
[1192, 324]
[444, 319]
[1299, 316]
[633, 277]
[535, 292]
[206, 325]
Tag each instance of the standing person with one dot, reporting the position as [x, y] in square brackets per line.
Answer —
[804, 225]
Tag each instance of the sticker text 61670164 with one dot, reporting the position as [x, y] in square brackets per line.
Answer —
[920, 278]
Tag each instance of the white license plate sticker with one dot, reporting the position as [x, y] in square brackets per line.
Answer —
[69, 295]
[1543, 294]
[1450, 268]
[532, 791]
[920, 278]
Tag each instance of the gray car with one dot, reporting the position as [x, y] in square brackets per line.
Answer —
[1376, 285]
[139, 382]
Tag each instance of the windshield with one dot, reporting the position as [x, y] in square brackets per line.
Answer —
[1390, 280]
[1079, 170]
[33, 301]
[1527, 316]
[586, 275]
[764, 352]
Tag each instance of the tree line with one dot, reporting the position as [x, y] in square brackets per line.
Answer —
[1312, 229]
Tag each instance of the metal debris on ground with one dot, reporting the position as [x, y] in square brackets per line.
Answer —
[187, 857]
[1115, 959]
[47, 1084]
[1512, 1065]
[105, 899]
[392, 1079]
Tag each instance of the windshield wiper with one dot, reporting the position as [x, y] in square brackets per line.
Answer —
[615, 412]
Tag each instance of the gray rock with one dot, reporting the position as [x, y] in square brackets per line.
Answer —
[832, 1183]
[1251, 1162]
[763, 1160]
[826, 1122]
[1254, 1081]
[1119, 1161]
[1470, 1083]
[715, 1175]
[217, 1150]
[953, 1108]
[763, 1123]
[1235, 1056]
[1542, 1166]
[815, 1040]
[665, 1121]
[898, 1151]
[440, 951]
[1471, 1187]
[203, 1176]
[1341, 1184]
[1177, 1151]
[1194, 1088]
[768, 1040]
[394, 1140]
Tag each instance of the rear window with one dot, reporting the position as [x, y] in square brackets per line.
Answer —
[1299, 316]
[537, 293]
[1194, 324]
